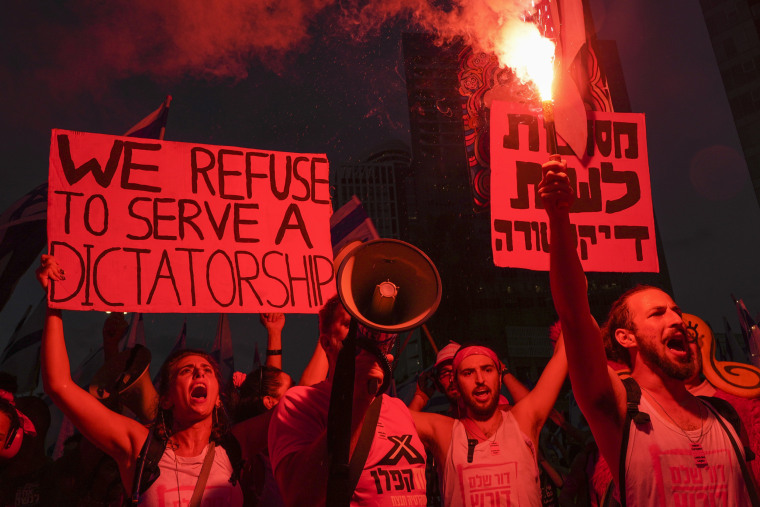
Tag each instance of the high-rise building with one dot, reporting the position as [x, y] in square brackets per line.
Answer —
[734, 28]
[380, 181]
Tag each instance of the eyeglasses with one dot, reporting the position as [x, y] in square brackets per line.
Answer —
[444, 373]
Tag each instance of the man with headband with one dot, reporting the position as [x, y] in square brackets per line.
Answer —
[443, 381]
[491, 454]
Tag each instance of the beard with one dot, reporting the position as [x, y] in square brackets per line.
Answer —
[452, 397]
[479, 411]
[677, 369]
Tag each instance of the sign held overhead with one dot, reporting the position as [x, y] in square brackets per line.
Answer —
[159, 226]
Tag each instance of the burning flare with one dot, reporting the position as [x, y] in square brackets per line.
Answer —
[523, 49]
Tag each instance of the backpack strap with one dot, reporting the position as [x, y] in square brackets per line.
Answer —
[361, 451]
[729, 413]
[146, 467]
[748, 481]
[632, 413]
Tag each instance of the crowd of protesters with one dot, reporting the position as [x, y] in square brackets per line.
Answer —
[648, 437]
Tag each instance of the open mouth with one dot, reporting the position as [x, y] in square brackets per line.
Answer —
[481, 394]
[199, 393]
[678, 345]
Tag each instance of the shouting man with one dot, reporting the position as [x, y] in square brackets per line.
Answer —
[664, 445]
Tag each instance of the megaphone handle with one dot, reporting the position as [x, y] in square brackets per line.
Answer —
[387, 374]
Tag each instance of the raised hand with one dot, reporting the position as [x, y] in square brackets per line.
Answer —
[426, 383]
[272, 321]
[555, 190]
[49, 269]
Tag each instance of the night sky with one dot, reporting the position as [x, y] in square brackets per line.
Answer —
[300, 77]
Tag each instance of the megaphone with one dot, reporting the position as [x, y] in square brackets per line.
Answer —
[15, 434]
[388, 285]
[126, 378]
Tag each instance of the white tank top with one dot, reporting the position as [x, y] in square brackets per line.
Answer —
[184, 472]
[661, 468]
[504, 469]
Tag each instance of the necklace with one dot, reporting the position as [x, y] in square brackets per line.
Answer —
[174, 448]
[697, 452]
[473, 429]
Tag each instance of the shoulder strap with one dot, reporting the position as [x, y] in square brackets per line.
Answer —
[140, 466]
[748, 481]
[608, 497]
[200, 485]
[146, 467]
[632, 413]
[729, 413]
[156, 450]
[361, 451]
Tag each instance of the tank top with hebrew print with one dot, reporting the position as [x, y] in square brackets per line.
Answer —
[503, 470]
[661, 468]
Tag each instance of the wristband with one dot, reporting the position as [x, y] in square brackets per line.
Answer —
[274, 352]
[504, 371]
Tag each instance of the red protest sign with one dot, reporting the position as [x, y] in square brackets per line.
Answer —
[158, 226]
[612, 213]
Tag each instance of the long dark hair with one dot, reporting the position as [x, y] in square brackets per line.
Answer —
[165, 417]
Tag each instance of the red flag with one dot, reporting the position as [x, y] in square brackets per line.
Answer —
[750, 331]
[351, 223]
[23, 225]
[179, 344]
[21, 357]
[22, 238]
[256, 357]
[152, 126]
[222, 349]
[82, 375]
[135, 333]
[569, 110]
[181, 341]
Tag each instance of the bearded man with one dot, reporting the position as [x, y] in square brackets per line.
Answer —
[489, 456]
[664, 446]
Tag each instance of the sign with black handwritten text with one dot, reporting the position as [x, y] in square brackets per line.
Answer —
[612, 213]
[158, 226]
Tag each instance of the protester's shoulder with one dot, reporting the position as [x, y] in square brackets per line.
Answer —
[304, 399]
[509, 414]
[395, 406]
[392, 401]
[298, 419]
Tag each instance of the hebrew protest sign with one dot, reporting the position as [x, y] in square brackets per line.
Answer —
[157, 226]
[612, 213]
